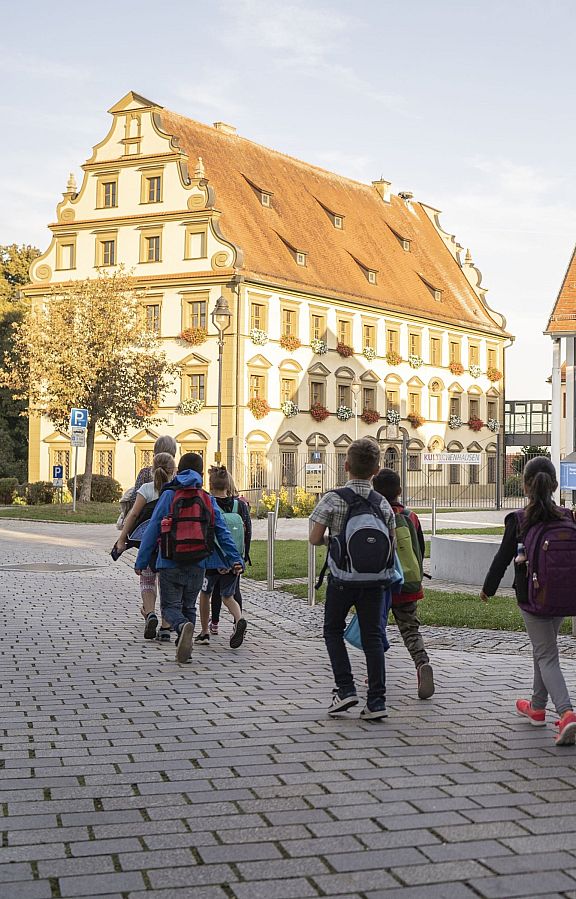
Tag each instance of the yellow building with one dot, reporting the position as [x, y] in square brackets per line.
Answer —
[345, 299]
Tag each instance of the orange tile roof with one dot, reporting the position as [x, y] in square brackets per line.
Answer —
[303, 196]
[563, 317]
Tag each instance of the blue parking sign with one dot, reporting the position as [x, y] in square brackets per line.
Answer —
[57, 472]
[79, 418]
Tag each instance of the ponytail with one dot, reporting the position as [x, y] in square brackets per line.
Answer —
[163, 466]
[540, 484]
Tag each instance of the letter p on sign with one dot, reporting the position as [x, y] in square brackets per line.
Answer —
[79, 418]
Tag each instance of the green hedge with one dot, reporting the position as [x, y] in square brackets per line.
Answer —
[103, 490]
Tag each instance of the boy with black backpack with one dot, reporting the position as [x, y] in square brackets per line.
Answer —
[185, 526]
[360, 561]
[410, 547]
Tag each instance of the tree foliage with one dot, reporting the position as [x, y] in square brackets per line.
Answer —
[14, 264]
[86, 346]
[527, 453]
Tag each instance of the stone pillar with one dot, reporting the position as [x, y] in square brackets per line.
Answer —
[556, 405]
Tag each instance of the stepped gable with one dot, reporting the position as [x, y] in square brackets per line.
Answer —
[303, 198]
[563, 318]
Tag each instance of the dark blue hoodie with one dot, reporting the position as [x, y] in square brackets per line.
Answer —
[152, 532]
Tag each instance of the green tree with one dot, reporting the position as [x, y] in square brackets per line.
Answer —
[14, 264]
[527, 453]
[87, 347]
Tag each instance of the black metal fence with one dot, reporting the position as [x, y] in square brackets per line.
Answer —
[490, 484]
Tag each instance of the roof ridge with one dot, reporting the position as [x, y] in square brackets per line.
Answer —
[307, 165]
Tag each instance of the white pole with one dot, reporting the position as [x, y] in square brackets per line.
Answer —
[75, 476]
[270, 559]
[311, 574]
[556, 407]
[434, 517]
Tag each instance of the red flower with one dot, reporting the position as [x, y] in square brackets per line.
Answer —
[344, 350]
[319, 412]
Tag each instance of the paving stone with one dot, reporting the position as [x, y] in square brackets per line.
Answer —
[274, 889]
[539, 883]
[104, 883]
[28, 889]
[439, 872]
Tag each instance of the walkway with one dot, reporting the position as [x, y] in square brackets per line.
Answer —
[127, 776]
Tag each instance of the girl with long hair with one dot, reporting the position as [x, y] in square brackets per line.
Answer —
[163, 469]
[540, 484]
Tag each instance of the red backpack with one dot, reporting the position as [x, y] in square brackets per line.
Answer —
[187, 531]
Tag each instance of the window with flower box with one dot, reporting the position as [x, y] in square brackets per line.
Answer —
[317, 326]
[289, 322]
[369, 336]
[455, 404]
[196, 387]
[414, 343]
[195, 312]
[392, 399]
[368, 398]
[258, 316]
[492, 357]
[473, 354]
[392, 340]
[473, 407]
[414, 402]
[257, 387]
[455, 350]
[344, 395]
[288, 390]
[344, 331]
[492, 409]
[317, 393]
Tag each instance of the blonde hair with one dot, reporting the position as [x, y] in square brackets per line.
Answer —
[163, 468]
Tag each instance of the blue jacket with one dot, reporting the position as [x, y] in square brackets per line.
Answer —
[152, 532]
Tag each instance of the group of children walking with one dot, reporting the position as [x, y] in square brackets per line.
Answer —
[197, 543]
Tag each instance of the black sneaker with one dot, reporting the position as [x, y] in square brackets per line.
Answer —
[425, 677]
[163, 635]
[203, 638]
[184, 645]
[237, 637]
[342, 703]
[151, 626]
[375, 710]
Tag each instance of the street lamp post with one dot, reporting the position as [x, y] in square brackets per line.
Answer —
[355, 388]
[221, 317]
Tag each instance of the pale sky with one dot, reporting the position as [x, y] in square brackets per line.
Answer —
[466, 103]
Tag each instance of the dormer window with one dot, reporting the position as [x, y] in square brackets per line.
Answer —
[406, 244]
[338, 222]
[435, 291]
[437, 295]
[403, 241]
[265, 198]
[301, 258]
[371, 276]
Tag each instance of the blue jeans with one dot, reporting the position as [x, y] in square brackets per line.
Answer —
[369, 602]
[179, 588]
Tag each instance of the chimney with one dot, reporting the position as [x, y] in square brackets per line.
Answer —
[383, 188]
[224, 128]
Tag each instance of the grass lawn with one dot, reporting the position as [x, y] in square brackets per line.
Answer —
[494, 530]
[456, 610]
[92, 513]
[291, 559]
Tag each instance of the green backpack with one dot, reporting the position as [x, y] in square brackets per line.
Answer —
[235, 525]
[409, 552]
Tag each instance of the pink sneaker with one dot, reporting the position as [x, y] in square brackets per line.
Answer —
[566, 729]
[537, 717]
[214, 628]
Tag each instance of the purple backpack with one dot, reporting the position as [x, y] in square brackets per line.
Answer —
[551, 565]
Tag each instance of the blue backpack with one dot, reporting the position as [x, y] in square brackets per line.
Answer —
[362, 553]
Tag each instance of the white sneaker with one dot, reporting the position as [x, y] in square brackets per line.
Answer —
[184, 648]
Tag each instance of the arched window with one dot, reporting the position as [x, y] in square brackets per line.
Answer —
[391, 458]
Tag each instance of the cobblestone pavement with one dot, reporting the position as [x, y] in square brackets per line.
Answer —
[124, 775]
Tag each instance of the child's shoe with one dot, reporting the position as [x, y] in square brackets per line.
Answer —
[425, 676]
[237, 637]
[204, 639]
[163, 635]
[151, 626]
[537, 717]
[342, 703]
[374, 711]
[214, 628]
[566, 729]
[184, 643]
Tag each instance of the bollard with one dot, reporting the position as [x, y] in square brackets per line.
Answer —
[311, 574]
[434, 517]
[271, 536]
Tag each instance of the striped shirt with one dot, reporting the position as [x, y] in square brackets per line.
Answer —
[332, 509]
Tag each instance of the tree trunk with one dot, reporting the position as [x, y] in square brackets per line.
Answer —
[87, 479]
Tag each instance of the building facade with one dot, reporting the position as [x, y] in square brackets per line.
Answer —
[353, 311]
[562, 329]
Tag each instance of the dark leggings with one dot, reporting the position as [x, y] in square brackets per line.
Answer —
[216, 602]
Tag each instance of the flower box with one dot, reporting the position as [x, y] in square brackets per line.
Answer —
[258, 336]
[475, 424]
[258, 407]
[369, 353]
[370, 416]
[194, 336]
[494, 375]
[320, 347]
[493, 425]
[344, 413]
[475, 370]
[344, 350]
[319, 412]
[290, 343]
[191, 407]
[393, 417]
[289, 408]
[415, 361]
[415, 419]
[456, 368]
[393, 358]
[454, 422]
